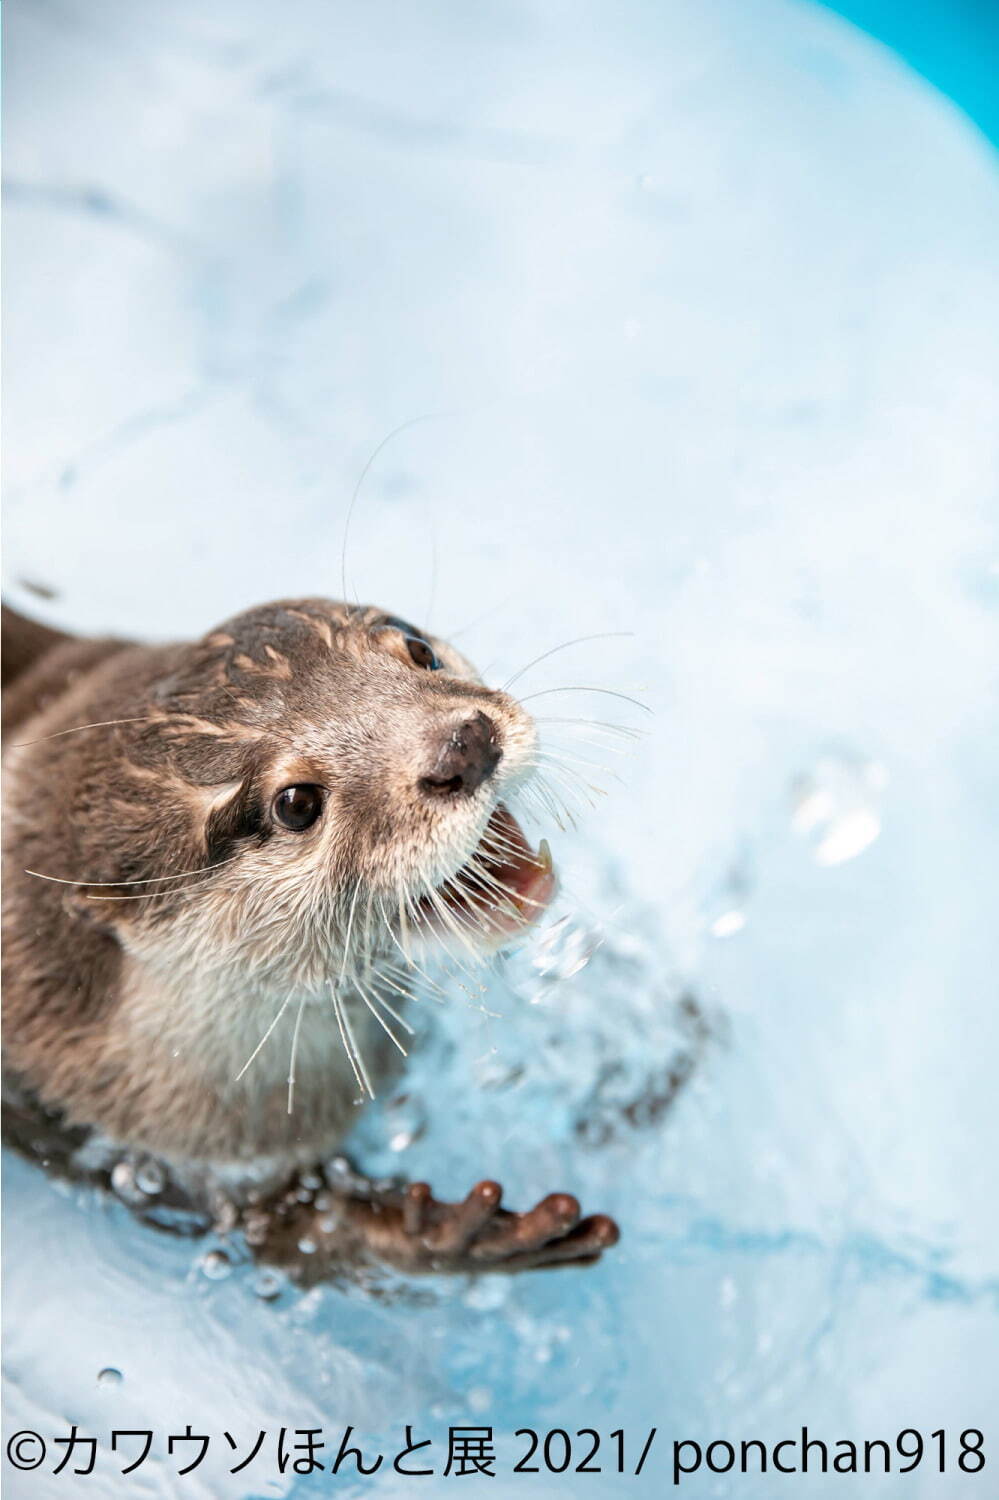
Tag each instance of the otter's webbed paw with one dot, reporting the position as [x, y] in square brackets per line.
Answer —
[478, 1235]
[412, 1231]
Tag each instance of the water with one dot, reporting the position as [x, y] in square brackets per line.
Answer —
[951, 42]
[698, 301]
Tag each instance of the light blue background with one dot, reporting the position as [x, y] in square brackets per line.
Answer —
[699, 300]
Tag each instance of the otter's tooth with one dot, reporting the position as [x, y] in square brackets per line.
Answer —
[543, 858]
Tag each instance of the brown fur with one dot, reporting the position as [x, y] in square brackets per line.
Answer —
[133, 1002]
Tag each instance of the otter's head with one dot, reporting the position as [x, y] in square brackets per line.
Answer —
[337, 779]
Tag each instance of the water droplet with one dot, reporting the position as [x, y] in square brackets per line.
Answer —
[125, 1185]
[488, 1293]
[307, 1245]
[123, 1179]
[728, 923]
[150, 1177]
[256, 1228]
[560, 951]
[109, 1377]
[406, 1121]
[215, 1264]
[837, 805]
[724, 905]
[848, 837]
[268, 1285]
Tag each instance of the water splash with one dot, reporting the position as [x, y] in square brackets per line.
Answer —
[836, 806]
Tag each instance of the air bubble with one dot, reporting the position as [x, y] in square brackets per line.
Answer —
[267, 1285]
[109, 1377]
[150, 1177]
[215, 1264]
[123, 1179]
[125, 1185]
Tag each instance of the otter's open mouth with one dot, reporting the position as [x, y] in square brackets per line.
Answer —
[502, 887]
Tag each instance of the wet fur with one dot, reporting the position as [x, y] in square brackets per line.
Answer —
[137, 1015]
[133, 1003]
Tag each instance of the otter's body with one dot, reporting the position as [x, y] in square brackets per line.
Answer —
[146, 1051]
[218, 860]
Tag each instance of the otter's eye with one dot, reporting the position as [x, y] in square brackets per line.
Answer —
[422, 653]
[298, 807]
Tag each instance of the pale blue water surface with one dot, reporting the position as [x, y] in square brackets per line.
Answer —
[699, 298]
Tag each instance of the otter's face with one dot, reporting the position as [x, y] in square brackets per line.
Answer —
[342, 777]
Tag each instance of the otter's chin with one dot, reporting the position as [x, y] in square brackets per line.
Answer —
[502, 887]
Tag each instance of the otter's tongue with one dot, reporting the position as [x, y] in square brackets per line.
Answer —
[517, 884]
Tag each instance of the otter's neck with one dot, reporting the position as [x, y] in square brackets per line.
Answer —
[203, 1070]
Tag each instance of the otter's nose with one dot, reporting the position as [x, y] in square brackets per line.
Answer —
[467, 757]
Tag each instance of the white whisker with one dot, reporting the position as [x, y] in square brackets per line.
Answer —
[412, 422]
[263, 1039]
[350, 924]
[294, 1050]
[100, 724]
[149, 880]
[608, 692]
[182, 893]
[368, 1000]
[625, 730]
[350, 1046]
[606, 635]
[568, 760]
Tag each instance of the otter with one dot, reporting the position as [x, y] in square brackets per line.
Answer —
[219, 859]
